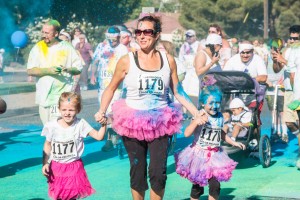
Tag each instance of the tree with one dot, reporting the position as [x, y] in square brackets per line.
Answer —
[240, 18]
[283, 15]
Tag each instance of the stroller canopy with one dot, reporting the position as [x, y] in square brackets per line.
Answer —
[233, 81]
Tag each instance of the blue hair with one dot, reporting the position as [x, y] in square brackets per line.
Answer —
[208, 91]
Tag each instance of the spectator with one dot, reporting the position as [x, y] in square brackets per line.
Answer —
[126, 39]
[225, 51]
[207, 60]
[65, 36]
[247, 61]
[53, 68]
[85, 50]
[280, 60]
[293, 67]
[187, 55]
[104, 63]
[76, 32]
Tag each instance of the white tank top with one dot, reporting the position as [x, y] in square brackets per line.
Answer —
[144, 89]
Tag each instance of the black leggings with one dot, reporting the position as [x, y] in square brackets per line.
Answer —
[137, 153]
[214, 189]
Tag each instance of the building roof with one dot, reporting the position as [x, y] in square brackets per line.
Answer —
[170, 22]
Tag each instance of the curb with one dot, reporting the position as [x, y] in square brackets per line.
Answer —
[15, 88]
[35, 109]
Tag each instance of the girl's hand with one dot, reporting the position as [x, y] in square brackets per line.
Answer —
[201, 117]
[101, 118]
[239, 145]
[45, 169]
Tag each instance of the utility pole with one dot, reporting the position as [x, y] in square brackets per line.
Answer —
[266, 19]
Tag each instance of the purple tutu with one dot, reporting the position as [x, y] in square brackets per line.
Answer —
[68, 180]
[199, 165]
[145, 124]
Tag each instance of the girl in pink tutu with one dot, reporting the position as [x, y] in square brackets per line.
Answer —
[146, 118]
[62, 164]
[204, 162]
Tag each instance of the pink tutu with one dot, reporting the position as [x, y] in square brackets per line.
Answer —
[68, 180]
[145, 124]
[199, 165]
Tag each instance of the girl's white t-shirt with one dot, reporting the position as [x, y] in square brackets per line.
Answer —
[66, 143]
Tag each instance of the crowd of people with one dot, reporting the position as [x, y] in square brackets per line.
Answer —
[135, 72]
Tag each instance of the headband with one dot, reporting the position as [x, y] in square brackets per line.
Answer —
[243, 47]
[65, 34]
[112, 35]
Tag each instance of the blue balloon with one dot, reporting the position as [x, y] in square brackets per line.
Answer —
[19, 39]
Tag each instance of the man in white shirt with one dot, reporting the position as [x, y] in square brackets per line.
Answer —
[54, 63]
[247, 61]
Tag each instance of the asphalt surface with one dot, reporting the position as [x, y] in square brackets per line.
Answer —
[21, 149]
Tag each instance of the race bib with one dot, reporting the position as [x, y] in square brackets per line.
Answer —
[149, 84]
[210, 136]
[54, 111]
[63, 150]
[105, 74]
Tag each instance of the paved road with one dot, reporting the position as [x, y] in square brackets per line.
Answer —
[20, 166]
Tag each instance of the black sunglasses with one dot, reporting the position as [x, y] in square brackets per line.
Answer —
[294, 38]
[146, 32]
[246, 52]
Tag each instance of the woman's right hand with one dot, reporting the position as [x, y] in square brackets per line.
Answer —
[215, 58]
[201, 117]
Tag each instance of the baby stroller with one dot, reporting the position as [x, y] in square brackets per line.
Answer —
[239, 84]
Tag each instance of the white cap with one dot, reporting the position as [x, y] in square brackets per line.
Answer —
[236, 103]
[190, 32]
[214, 38]
[245, 46]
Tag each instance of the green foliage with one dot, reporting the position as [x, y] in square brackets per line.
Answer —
[99, 12]
[283, 15]
[231, 16]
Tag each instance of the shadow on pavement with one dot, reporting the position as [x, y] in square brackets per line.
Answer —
[5, 138]
[11, 169]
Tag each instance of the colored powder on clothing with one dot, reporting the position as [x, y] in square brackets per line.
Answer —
[182, 93]
[43, 46]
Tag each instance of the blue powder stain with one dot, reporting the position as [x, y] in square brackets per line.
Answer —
[182, 93]
[135, 161]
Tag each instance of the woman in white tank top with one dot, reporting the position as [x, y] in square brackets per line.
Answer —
[207, 60]
[146, 118]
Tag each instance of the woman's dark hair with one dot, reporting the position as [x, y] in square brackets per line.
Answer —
[155, 20]
[212, 48]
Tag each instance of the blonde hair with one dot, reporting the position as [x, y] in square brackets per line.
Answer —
[71, 97]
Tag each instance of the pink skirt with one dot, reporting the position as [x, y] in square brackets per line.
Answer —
[68, 180]
[199, 165]
[146, 124]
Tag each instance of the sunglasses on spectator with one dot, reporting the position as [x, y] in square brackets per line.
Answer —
[246, 52]
[146, 32]
[189, 36]
[294, 38]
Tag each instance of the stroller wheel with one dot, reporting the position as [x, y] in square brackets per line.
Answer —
[265, 151]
